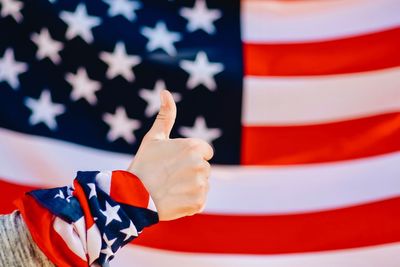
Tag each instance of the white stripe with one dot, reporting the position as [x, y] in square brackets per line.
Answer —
[284, 190]
[385, 255]
[234, 190]
[319, 99]
[41, 161]
[103, 179]
[71, 238]
[301, 21]
[94, 243]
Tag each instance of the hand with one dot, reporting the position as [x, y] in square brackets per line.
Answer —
[174, 171]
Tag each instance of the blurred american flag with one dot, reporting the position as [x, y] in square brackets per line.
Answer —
[300, 100]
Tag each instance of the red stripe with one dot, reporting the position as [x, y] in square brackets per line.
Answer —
[79, 193]
[358, 226]
[362, 53]
[10, 192]
[363, 225]
[263, 145]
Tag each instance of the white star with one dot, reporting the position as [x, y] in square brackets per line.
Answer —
[130, 231]
[200, 130]
[92, 188]
[124, 8]
[111, 213]
[47, 47]
[120, 63]
[83, 86]
[10, 69]
[121, 125]
[108, 250]
[200, 17]
[160, 37]
[152, 98]
[80, 23]
[201, 71]
[44, 110]
[109, 243]
[61, 195]
[12, 8]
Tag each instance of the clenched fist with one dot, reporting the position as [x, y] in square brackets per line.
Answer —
[174, 171]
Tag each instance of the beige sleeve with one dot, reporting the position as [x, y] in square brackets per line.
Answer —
[16, 245]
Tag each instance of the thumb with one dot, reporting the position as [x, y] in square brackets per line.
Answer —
[165, 120]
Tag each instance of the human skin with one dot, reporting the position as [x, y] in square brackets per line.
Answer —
[174, 171]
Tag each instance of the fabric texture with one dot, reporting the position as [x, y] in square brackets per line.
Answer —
[87, 223]
[17, 247]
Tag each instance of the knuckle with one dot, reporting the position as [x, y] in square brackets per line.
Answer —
[195, 144]
[162, 116]
[197, 187]
[207, 189]
[195, 157]
[200, 165]
[202, 169]
[210, 148]
[207, 167]
[201, 184]
[198, 203]
[192, 143]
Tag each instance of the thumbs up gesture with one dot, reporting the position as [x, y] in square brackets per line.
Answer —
[174, 171]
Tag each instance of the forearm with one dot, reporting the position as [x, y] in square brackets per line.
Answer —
[16, 245]
[84, 225]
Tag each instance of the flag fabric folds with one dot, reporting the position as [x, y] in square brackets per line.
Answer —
[87, 223]
[300, 100]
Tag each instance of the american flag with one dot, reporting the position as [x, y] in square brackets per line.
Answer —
[300, 100]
